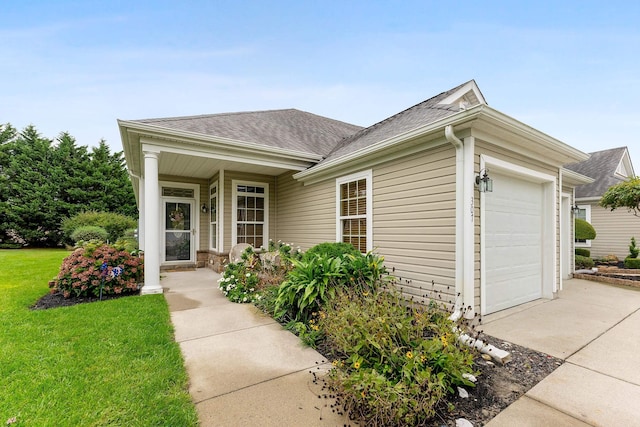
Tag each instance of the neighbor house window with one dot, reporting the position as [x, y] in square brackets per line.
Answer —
[353, 205]
[583, 212]
[213, 216]
[250, 213]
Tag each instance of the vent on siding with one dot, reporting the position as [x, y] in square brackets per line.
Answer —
[177, 192]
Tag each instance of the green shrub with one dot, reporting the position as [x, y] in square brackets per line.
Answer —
[583, 262]
[313, 282]
[633, 249]
[115, 224]
[584, 230]
[331, 250]
[89, 232]
[394, 361]
[632, 262]
[583, 252]
[96, 266]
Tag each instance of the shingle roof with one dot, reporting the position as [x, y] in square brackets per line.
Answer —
[288, 129]
[419, 115]
[601, 166]
[309, 133]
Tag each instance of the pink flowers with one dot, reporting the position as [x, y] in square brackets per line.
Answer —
[80, 273]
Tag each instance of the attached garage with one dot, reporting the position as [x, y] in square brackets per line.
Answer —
[518, 243]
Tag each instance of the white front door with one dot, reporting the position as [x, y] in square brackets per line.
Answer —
[179, 230]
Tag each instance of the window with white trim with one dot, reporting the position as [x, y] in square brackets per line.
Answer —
[353, 206]
[213, 216]
[250, 213]
[583, 212]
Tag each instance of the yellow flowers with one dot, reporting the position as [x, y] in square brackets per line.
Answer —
[356, 364]
[409, 355]
[445, 340]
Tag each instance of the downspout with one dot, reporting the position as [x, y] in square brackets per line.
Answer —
[459, 251]
[464, 224]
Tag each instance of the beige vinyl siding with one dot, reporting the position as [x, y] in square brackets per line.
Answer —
[414, 220]
[306, 214]
[203, 222]
[613, 231]
[230, 176]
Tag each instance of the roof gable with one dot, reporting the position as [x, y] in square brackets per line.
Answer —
[445, 104]
[288, 129]
[606, 167]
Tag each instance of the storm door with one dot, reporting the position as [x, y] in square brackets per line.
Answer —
[179, 230]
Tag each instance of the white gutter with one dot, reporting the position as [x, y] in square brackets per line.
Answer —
[465, 218]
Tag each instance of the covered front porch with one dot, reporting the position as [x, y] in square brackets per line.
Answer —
[198, 197]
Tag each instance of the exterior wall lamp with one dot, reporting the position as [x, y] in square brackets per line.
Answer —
[484, 183]
[575, 209]
[204, 208]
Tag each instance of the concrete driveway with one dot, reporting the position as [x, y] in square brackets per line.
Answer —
[595, 328]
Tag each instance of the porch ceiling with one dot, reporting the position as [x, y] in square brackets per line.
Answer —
[201, 167]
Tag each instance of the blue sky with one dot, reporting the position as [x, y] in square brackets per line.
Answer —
[570, 69]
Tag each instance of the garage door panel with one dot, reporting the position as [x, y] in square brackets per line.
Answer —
[513, 242]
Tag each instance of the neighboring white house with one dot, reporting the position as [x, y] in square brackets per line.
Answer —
[408, 187]
[614, 229]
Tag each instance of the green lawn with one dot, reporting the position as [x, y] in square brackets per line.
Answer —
[106, 363]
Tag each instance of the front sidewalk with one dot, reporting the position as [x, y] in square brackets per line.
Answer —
[244, 368]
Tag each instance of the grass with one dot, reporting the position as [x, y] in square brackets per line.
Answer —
[107, 363]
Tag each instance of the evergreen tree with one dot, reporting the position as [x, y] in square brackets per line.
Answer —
[42, 183]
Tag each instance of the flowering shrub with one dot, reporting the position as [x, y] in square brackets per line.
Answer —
[249, 279]
[394, 361]
[98, 266]
[238, 283]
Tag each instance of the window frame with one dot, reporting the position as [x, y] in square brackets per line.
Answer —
[213, 224]
[587, 214]
[367, 175]
[234, 209]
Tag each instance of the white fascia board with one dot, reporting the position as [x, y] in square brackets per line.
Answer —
[208, 141]
[572, 178]
[436, 126]
[200, 151]
[587, 200]
[477, 114]
[572, 154]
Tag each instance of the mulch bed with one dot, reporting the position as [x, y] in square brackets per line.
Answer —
[498, 385]
[54, 300]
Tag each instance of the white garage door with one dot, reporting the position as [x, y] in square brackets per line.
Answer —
[513, 242]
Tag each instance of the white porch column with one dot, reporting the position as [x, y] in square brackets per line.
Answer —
[141, 211]
[151, 224]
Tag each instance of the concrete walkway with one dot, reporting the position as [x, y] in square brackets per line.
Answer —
[595, 328]
[244, 368]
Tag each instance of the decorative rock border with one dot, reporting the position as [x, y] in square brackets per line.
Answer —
[605, 278]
